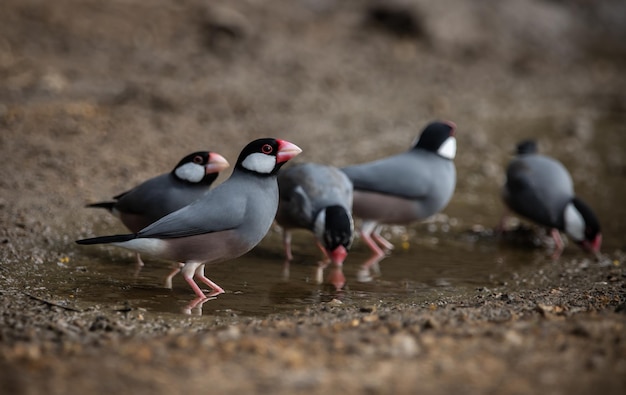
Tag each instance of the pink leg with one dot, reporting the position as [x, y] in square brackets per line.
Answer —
[139, 264]
[381, 240]
[188, 272]
[366, 230]
[325, 258]
[558, 243]
[176, 268]
[216, 288]
[288, 255]
[364, 274]
[287, 244]
[501, 227]
[321, 265]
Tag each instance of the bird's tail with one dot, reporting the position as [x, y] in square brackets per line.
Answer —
[105, 205]
[107, 239]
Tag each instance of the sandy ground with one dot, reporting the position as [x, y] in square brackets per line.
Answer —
[97, 96]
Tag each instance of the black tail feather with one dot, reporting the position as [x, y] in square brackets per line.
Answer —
[104, 205]
[107, 239]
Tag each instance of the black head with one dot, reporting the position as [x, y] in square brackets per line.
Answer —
[266, 156]
[338, 229]
[435, 136]
[334, 229]
[200, 167]
[593, 235]
[526, 147]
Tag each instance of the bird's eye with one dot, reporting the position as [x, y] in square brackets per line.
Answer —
[197, 159]
[267, 149]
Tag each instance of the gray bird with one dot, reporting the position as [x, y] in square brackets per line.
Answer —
[406, 187]
[318, 198]
[166, 193]
[223, 224]
[540, 189]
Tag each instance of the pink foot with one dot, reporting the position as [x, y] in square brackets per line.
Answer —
[216, 288]
[558, 244]
[382, 241]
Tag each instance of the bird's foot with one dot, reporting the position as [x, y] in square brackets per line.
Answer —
[214, 293]
[558, 244]
[382, 242]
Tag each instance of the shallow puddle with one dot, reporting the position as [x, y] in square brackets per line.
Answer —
[424, 267]
[257, 285]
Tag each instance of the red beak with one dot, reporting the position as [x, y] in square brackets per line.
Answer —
[216, 163]
[593, 246]
[452, 125]
[286, 151]
[338, 255]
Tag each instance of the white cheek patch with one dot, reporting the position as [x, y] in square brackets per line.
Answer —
[190, 172]
[259, 163]
[574, 223]
[319, 227]
[448, 148]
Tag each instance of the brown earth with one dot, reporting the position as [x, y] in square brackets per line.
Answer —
[97, 96]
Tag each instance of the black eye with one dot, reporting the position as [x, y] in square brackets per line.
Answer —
[267, 149]
[197, 159]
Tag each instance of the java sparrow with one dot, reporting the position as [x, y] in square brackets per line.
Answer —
[166, 193]
[540, 189]
[224, 223]
[406, 187]
[318, 198]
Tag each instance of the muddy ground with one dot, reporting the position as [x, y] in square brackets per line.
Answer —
[98, 96]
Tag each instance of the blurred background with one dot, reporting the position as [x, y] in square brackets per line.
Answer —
[98, 96]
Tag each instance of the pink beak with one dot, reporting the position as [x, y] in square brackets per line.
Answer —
[593, 246]
[338, 255]
[453, 126]
[286, 151]
[216, 163]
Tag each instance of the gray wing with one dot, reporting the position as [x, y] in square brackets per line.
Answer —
[307, 188]
[408, 175]
[158, 197]
[295, 206]
[538, 188]
[144, 197]
[329, 186]
[216, 211]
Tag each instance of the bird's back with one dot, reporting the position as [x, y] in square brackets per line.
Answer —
[415, 175]
[307, 188]
[538, 187]
[158, 197]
